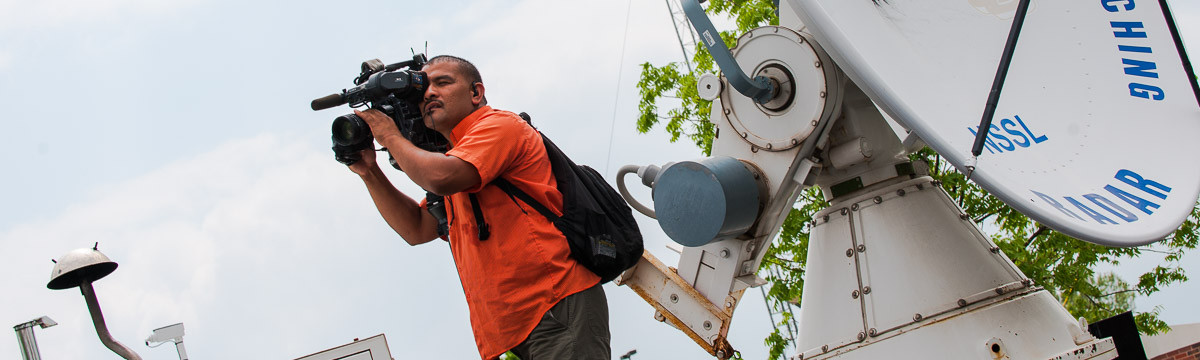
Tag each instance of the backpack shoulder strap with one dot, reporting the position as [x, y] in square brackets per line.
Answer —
[513, 190]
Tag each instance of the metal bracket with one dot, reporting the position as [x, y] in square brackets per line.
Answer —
[679, 304]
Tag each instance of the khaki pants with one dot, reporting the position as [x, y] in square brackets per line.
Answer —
[575, 328]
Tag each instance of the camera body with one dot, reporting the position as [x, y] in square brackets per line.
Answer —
[396, 90]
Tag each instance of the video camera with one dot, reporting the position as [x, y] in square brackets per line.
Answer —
[394, 89]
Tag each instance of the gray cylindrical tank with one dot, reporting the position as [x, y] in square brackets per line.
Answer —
[699, 202]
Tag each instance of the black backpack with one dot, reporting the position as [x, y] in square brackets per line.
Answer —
[598, 224]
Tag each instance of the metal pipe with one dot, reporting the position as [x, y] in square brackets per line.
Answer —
[29, 347]
[759, 88]
[89, 295]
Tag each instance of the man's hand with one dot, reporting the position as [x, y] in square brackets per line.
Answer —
[381, 125]
[367, 162]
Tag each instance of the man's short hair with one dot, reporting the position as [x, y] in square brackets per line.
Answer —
[466, 67]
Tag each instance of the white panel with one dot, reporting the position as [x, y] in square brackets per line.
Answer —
[1095, 121]
[829, 315]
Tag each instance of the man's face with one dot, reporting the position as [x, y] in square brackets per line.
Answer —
[448, 99]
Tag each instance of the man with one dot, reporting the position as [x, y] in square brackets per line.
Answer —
[524, 291]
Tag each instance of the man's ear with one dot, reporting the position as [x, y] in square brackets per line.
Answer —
[477, 93]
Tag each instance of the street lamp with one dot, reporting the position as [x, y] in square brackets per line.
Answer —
[79, 268]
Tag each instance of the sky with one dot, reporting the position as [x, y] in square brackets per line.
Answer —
[178, 136]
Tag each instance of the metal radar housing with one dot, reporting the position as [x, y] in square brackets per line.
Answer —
[800, 71]
[79, 265]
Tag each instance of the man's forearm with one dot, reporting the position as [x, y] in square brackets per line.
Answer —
[401, 212]
[435, 172]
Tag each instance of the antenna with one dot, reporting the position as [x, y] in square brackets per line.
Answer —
[1064, 148]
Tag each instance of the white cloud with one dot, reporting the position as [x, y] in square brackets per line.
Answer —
[264, 238]
[52, 13]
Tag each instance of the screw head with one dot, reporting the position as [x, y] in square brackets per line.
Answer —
[849, 252]
[917, 317]
[854, 294]
[866, 290]
[878, 199]
[861, 335]
[862, 248]
[854, 207]
[674, 298]
[725, 253]
[962, 303]
[872, 332]
[900, 192]
[707, 325]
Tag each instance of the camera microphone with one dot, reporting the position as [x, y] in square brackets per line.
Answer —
[328, 102]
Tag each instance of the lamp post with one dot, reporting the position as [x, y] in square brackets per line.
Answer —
[29, 347]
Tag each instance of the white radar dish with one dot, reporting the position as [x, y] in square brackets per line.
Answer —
[1095, 131]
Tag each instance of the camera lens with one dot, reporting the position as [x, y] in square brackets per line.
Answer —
[350, 130]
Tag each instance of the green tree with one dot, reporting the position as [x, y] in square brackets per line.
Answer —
[1062, 265]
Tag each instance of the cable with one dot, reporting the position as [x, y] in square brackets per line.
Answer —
[617, 97]
[625, 192]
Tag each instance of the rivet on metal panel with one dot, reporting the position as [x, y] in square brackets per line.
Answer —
[849, 252]
[1027, 282]
[674, 298]
[824, 348]
[725, 253]
[822, 95]
[1000, 290]
[854, 207]
[862, 248]
[917, 317]
[659, 316]
[728, 304]
[861, 335]
[854, 294]
[844, 211]
[814, 122]
[817, 63]
[964, 216]
[795, 142]
[872, 332]
[745, 134]
[920, 187]
[825, 218]
[936, 182]
[754, 149]
[900, 192]
[962, 303]
[995, 249]
[878, 199]
[727, 111]
[812, 223]
[866, 290]
[769, 147]
[720, 354]
[707, 325]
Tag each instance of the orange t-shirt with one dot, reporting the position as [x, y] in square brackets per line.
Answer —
[525, 267]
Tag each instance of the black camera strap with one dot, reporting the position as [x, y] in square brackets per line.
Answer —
[484, 232]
